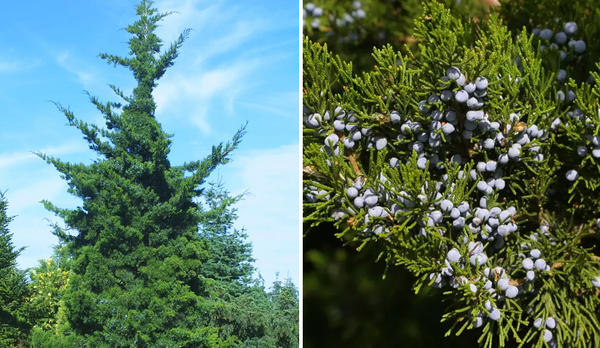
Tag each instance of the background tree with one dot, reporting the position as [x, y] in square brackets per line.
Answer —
[237, 307]
[46, 309]
[137, 258]
[241, 306]
[13, 286]
[284, 298]
[231, 255]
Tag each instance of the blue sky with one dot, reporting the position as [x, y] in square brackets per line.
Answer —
[239, 64]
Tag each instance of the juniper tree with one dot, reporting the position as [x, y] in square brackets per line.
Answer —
[469, 163]
[137, 257]
[13, 287]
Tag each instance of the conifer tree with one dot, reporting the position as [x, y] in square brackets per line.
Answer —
[137, 258]
[237, 307]
[240, 304]
[472, 161]
[13, 287]
[284, 297]
[231, 260]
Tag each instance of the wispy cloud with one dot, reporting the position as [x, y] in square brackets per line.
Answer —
[187, 14]
[192, 93]
[220, 67]
[67, 62]
[280, 104]
[240, 32]
[13, 159]
[31, 195]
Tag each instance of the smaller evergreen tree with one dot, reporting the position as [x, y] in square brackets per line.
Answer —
[241, 306]
[230, 254]
[284, 297]
[13, 286]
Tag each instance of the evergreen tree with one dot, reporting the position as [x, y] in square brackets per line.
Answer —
[236, 306]
[240, 305]
[284, 297]
[231, 255]
[13, 287]
[137, 258]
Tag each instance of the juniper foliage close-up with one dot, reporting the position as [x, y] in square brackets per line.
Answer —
[471, 159]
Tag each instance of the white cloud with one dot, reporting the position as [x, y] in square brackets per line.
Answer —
[213, 69]
[31, 195]
[186, 14]
[281, 104]
[191, 93]
[68, 63]
[16, 158]
[8, 160]
[199, 119]
[241, 32]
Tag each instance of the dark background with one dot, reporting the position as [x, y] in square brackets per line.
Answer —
[348, 304]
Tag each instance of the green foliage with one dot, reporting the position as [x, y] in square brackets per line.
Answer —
[13, 286]
[45, 306]
[241, 306]
[551, 213]
[48, 339]
[284, 299]
[352, 28]
[231, 255]
[259, 318]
